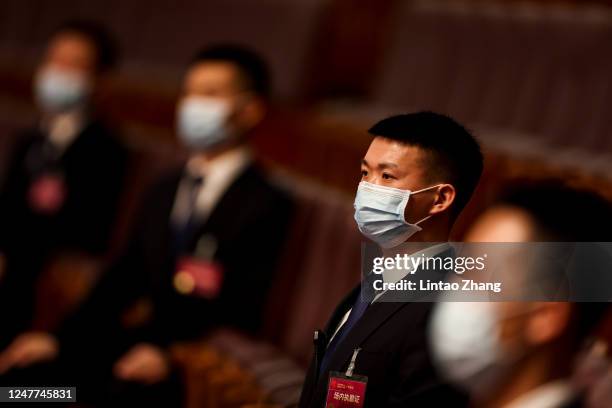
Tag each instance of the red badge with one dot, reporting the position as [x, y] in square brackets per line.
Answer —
[47, 194]
[198, 277]
[345, 391]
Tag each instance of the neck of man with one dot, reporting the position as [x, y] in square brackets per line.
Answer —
[218, 151]
[435, 229]
[540, 368]
[77, 113]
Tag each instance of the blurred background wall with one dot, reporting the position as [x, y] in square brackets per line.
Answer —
[532, 79]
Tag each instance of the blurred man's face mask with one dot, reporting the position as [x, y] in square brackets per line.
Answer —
[202, 122]
[379, 213]
[465, 339]
[59, 90]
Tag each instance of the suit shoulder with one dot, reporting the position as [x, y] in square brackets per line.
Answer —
[166, 183]
[262, 185]
[103, 136]
[24, 138]
[417, 312]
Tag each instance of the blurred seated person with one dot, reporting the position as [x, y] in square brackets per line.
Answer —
[66, 173]
[521, 354]
[202, 254]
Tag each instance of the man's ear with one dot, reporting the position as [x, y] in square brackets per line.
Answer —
[548, 322]
[101, 91]
[252, 112]
[444, 198]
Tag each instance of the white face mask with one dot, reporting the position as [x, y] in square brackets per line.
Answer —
[379, 213]
[202, 122]
[465, 342]
[59, 90]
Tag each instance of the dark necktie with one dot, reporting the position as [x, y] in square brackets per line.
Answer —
[42, 157]
[359, 307]
[185, 231]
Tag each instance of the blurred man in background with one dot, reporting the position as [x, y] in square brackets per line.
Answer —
[417, 175]
[522, 354]
[66, 174]
[202, 254]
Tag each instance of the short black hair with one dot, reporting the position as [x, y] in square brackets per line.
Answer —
[252, 67]
[107, 52]
[453, 154]
[562, 213]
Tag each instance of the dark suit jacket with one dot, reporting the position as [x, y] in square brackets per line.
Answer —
[249, 224]
[394, 356]
[577, 402]
[93, 167]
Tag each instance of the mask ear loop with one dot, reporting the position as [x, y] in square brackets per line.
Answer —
[422, 220]
[425, 189]
[420, 191]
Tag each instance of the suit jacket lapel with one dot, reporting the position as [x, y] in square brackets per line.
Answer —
[231, 200]
[375, 315]
[341, 310]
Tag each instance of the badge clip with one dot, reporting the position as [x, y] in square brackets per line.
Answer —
[351, 367]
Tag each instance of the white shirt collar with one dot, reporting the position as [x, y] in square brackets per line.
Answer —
[62, 129]
[218, 175]
[226, 165]
[551, 395]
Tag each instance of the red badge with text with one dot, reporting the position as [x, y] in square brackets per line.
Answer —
[47, 194]
[345, 392]
[198, 277]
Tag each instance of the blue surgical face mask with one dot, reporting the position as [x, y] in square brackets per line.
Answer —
[202, 122]
[466, 345]
[379, 212]
[60, 90]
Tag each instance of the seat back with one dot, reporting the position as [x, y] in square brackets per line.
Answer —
[319, 266]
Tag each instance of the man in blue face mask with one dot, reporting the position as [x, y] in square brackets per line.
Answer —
[417, 175]
[201, 255]
[65, 175]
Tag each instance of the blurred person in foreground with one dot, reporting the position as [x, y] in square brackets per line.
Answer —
[66, 174]
[521, 354]
[417, 175]
[202, 253]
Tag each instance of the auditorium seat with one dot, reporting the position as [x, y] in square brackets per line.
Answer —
[321, 261]
[532, 77]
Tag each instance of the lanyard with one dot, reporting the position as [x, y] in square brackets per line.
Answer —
[351, 367]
